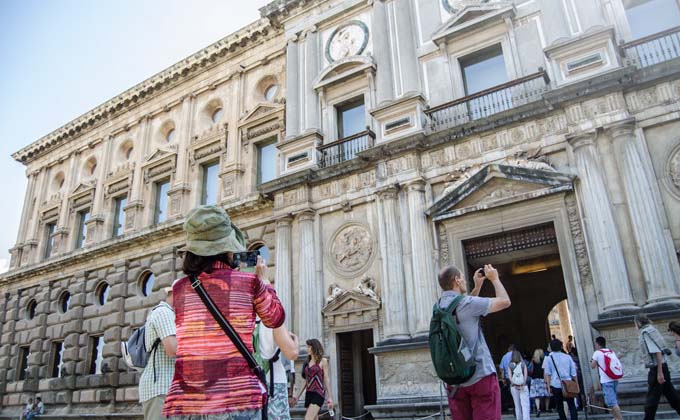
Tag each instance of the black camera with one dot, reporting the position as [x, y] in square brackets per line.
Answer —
[666, 352]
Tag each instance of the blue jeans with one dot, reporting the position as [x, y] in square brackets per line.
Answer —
[609, 391]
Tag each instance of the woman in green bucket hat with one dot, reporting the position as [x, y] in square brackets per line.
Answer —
[212, 380]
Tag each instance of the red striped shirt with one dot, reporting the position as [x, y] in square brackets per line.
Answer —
[211, 376]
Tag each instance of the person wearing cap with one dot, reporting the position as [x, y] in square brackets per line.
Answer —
[212, 379]
[156, 377]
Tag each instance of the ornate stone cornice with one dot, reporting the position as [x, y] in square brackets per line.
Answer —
[280, 9]
[144, 91]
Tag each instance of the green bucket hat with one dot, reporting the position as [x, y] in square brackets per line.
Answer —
[211, 232]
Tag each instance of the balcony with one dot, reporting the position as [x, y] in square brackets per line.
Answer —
[488, 102]
[345, 149]
[653, 49]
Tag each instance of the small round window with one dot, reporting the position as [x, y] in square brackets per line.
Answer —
[30, 309]
[128, 153]
[146, 284]
[103, 293]
[217, 115]
[64, 302]
[270, 92]
[170, 135]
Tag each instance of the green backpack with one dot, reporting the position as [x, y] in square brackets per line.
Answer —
[453, 361]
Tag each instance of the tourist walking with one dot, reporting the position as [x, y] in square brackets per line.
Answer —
[157, 375]
[559, 367]
[317, 381]
[538, 390]
[479, 397]
[213, 380]
[518, 376]
[674, 328]
[505, 362]
[654, 352]
[609, 366]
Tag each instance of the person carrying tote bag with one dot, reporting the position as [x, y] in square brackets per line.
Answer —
[563, 388]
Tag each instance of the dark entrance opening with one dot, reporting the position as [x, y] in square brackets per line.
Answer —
[528, 262]
[357, 381]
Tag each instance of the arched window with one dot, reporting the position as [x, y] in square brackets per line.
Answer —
[217, 115]
[102, 293]
[30, 309]
[64, 301]
[145, 284]
[270, 92]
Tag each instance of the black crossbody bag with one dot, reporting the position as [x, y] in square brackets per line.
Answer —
[233, 336]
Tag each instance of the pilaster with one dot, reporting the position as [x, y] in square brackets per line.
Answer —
[381, 52]
[179, 194]
[292, 88]
[604, 244]
[312, 63]
[135, 207]
[406, 39]
[657, 259]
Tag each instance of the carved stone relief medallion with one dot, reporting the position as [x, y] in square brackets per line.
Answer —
[346, 40]
[351, 249]
[673, 171]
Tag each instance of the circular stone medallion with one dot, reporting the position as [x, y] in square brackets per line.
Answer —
[351, 249]
[673, 171]
[346, 40]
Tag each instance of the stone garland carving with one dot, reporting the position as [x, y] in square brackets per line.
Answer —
[578, 239]
[351, 249]
[348, 39]
[443, 246]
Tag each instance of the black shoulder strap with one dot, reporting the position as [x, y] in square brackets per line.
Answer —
[556, 370]
[231, 333]
[271, 361]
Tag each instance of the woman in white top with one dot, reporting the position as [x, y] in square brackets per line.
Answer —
[517, 372]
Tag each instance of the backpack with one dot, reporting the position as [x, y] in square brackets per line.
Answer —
[134, 349]
[518, 375]
[453, 361]
[612, 365]
[267, 365]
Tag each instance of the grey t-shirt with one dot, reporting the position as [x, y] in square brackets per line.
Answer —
[469, 311]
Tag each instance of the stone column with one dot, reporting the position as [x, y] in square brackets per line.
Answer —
[657, 259]
[310, 302]
[95, 226]
[179, 193]
[424, 288]
[393, 282]
[312, 60]
[604, 245]
[284, 256]
[292, 89]
[406, 39]
[381, 52]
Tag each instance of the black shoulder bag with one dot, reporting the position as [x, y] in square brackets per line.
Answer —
[233, 336]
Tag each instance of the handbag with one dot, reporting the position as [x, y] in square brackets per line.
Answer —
[255, 368]
[570, 388]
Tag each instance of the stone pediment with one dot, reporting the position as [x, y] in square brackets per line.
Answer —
[351, 308]
[496, 185]
[82, 188]
[262, 110]
[472, 16]
[344, 69]
[159, 154]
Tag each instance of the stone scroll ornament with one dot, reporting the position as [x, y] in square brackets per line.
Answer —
[348, 39]
[673, 169]
[351, 249]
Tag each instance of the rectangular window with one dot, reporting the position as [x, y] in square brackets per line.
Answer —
[22, 363]
[647, 17]
[351, 118]
[96, 354]
[483, 69]
[266, 162]
[83, 217]
[161, 203]
[209, 188]
[49, 239]
[119, 215]
[57, 358]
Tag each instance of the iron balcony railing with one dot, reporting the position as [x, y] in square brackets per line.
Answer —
[489, 102]
[654, 49]
[345, 149]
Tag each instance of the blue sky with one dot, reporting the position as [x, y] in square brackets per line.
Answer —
[61, 58]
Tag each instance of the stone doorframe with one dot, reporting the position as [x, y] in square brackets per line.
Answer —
[346, 311]
[523, 214]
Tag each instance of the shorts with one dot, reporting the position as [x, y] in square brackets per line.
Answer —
[609, 391]
[313, 398]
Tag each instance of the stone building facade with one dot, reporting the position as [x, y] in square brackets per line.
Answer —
[362, 145]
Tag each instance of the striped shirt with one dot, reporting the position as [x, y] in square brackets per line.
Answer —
[159, 324]
[211, 376]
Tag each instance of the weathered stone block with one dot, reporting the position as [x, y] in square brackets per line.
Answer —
[88, 396]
